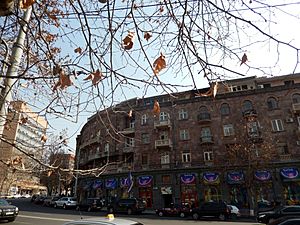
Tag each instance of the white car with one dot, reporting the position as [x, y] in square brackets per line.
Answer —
[109, 220]
[66, 202]
[234, 211]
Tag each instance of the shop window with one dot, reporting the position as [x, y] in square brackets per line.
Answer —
[296, 98]
[228, 130]
[166, 179]
[184, 135]
[225, 109]
[208, 156]
[183, 114]
[144, 119]
[272, 103]
[277, 125]
[145, 138]
[212, 194]
[186, 157]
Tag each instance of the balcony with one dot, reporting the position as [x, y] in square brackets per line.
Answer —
[250, 113]
[285, 157]
[204, 118]
[128, 130]
[94, 156]
[206, 140]
[296, 107]
[163, 143]
[90, 141]
[162, 124]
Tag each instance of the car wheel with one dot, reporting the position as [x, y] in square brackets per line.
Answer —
[129, 211]
[160, 213]
[182, 214]
[64, 206]
[222, 217]
[195, 216]
[111, 210]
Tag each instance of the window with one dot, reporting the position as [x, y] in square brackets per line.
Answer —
[206, 134]
[144, 159]
[165, 158]
[106, 147]
[228, 130]
[277, 125]
[272, 103]
[208, 156]
[247, 106]
[163, 116]
[184, 134]
[129, 142]
[144, 119]
[225, 109]
[145, 138]
[163, 135]
[296, 98]
[283, 149]
[252, 129]
[183, 114]
[186, 157]
[203, 113]
[166, 179]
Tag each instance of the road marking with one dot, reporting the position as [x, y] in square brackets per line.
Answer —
[45, 218]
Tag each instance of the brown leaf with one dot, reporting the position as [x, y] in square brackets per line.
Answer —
[24, 120]
[24, 4]
[78, 50]
[95, 77]
[147, 36]
[244, 59]
[128, 40]
[159, 64]
[63, 82]
[49, 173]
[44, 138]
[156, 108]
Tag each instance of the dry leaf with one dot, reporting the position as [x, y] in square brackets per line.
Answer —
[156, 108]
[44, 138]
[244, 59]
[161, 8]
[211, 92]
[159, 64]
[24, 120]
[78, 50]
[24, 4]
[63, 82]
[95, 77]
[128, 40]
[130, 113]
[49, 173]
[147, 36]
[215, 89]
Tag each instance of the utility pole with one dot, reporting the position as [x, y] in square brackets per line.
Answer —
[13, 67]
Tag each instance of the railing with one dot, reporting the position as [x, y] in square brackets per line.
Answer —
[90, 141]
[165, 123]
[163, 143]
[128, 130]
[204, 117]
[285, 157]
[206, 139]
[94, 156]
[250, 113]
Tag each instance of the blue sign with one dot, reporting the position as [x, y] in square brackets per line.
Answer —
[262, 175]
[111, 183]
[97, 184]
[188, 178]
[289, 173]
[211, 177]
[145, 180]
[235, 177]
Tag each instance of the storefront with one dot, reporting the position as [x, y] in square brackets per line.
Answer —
[145, 186]
[111, 185]
[263, 186]
[126, 184]
[291, 185]
[188, 189]
[97, 189]
[211, 183]
[237, 189]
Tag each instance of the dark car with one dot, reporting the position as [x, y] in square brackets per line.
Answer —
[181, 210]
[271, 215]
[91, 204]
[212, 209]
[127, 205]
[286, 220]
[50, 201]
[39, 200]
[7, 211]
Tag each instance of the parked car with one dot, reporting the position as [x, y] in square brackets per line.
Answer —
[286, 220]
[234, 211]
[181, 210]
[104, 221]
[50, 201]
[91, 204]
[271, 215]
[212, 209]
[7, 211]
[66, 202]
[39, 200]
[128, 205]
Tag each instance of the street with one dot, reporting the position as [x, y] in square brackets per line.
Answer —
[32, 214]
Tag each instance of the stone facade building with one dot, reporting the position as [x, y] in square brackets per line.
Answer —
[241, 146]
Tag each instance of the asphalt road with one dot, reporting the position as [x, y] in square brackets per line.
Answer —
[31, 214]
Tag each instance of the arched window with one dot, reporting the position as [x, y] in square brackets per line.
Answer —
[225, 109]
[163, 116]
[296, 98]
[272, 103]
[203, 113]
[247, 106]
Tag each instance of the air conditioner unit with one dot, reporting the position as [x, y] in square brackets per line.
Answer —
[298, 142]
[289, 120]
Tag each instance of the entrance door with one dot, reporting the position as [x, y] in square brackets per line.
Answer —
[167, 200]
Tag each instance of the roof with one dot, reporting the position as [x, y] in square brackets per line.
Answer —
[109, 220]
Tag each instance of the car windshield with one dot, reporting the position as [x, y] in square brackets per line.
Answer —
[3, 202]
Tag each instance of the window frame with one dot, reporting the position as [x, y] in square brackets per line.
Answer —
[276, 123]
[163, 116]
[225, 109]
[272, 103]
[145, 140]
[164, 158]
[183, 114]
[144, 119]
[186, 157]
[208, 156]
[228, 130]
[184, 135]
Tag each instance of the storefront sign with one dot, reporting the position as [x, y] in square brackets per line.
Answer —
[211, 177]
[188, 178]
[97, 184]
[145, 180]
[166, 190]
[262, 175]
[111, 183]
[124, 182]
[235, 177]
[289, 173]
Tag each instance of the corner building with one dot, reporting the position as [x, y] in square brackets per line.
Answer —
[243, 146]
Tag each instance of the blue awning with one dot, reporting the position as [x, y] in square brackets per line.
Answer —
[262, 175]
[235, 177]
[188, 178]
[291, 173]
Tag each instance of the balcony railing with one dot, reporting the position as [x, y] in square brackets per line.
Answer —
[90, 141]
[204, 117]
[285, 157]
[162, 124]
[94, 156]
[206, 140]
[296, 107]
[163, 143]
[128, 130]
[249, 113]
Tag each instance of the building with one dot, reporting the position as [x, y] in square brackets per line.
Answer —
[23, 132]
[241, 146]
